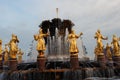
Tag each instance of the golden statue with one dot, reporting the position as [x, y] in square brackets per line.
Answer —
[6, 54]
[99, 47]
[13, 47]
[19, 54]
[1, 49]
[108, 52]
[40, 42]
[116, 46]
[72, 40]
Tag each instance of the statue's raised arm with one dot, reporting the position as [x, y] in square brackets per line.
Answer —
[80, 34]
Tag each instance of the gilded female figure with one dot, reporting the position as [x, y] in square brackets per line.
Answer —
[19, 54]
[108, 51]
[72, 40]
[6, 54]
[13, 47]
[116, 46]
[40, 41]
[99, 38]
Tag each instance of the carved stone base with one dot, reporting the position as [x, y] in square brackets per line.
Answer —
[1, 65]
[13, 64]
[74, 61]
[116, 60]
[101, 60]
[41, 60]
[110, 62]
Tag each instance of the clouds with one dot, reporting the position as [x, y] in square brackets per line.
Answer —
[23, 17]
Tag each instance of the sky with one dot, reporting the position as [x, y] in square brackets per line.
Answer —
[22, 18]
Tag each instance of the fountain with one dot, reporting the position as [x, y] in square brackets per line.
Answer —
[58, 58]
